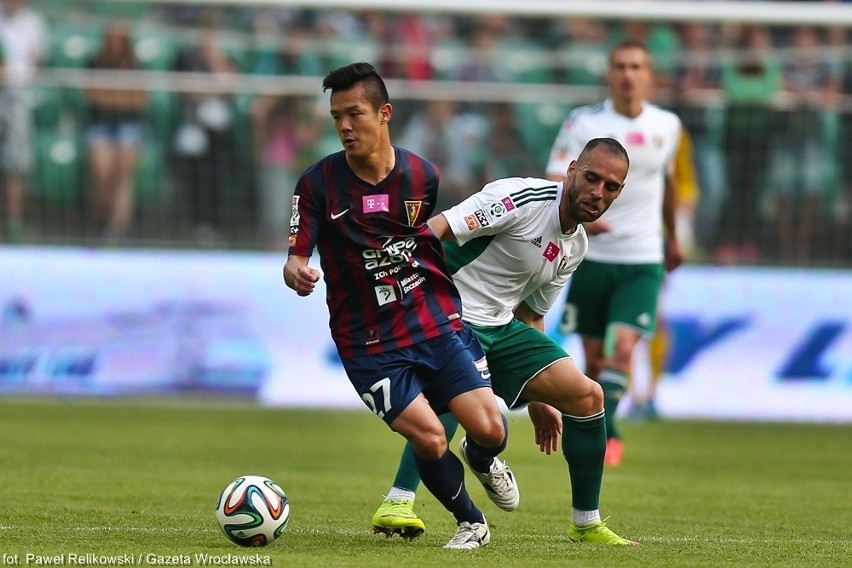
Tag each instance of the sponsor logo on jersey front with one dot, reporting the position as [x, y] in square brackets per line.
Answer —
[551, 251]
[375, 203]
[536, 241]
[635, 138]
[389, 264]
[372, 336]
[385, 294]
[409, 283]
[395, 251]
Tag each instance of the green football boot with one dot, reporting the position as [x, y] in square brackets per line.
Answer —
[398, 517]
[597, 533]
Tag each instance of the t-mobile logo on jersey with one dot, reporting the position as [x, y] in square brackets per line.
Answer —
[551, 251]
[375, 203]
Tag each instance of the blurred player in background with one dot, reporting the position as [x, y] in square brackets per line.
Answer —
[511, 248]
[395, 314]
[612, 299]
[687, 191]
[24, 45]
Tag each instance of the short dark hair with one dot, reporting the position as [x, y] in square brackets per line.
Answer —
[612, 146]
[629, 43]
[346, 77]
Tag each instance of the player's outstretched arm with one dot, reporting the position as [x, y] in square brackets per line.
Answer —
[441, 228]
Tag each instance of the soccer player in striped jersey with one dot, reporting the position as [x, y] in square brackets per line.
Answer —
[511, 248]
[395, 313]
[612, 300]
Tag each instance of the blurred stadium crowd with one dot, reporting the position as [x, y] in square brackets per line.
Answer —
[182, 125]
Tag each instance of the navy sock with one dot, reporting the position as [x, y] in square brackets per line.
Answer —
[406, 473]
[444, 478]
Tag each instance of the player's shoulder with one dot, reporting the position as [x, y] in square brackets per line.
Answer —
[319, 178]
[524, 191]
[406, 154]
[514, 183]
[596, 108]
[323, 164]
[410, 159]
[586, 112]
[658, 113]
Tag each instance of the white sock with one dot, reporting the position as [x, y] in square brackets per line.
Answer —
[397, 494]
[586, 517]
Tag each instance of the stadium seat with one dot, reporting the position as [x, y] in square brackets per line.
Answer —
[161, 114]
[155, 49]
[47, 107]
[344, 50]
[111, 9]
[831, 127]
[237, 50]
[73, 45]
[539, 125]
[264, 57]
[525, 61]
[446, 56]
[57, 174]
[151, 170]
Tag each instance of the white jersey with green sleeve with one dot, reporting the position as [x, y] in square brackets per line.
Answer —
[510, 248]
[651, 140]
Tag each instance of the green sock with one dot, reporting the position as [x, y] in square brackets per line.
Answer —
[613, 383]
[584, 446]
[406, 473]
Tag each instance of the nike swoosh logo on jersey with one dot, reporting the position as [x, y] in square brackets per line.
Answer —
[339, 215]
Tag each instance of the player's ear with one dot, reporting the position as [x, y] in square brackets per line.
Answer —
[385, 113]
[572, 170]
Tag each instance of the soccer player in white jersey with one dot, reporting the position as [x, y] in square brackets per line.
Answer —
[612, 299]
[511, 248]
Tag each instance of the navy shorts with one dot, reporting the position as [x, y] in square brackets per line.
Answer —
[441, 368]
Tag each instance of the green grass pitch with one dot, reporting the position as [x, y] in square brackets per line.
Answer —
[90, 482]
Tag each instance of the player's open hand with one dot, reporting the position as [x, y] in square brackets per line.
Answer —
[547, 422]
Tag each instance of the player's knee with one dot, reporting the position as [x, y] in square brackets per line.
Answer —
[493, 433]
[429, 445]
[587, 400]
[592, 400]
[622, 355]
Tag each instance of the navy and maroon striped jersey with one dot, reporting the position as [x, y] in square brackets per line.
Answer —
[387, 285]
